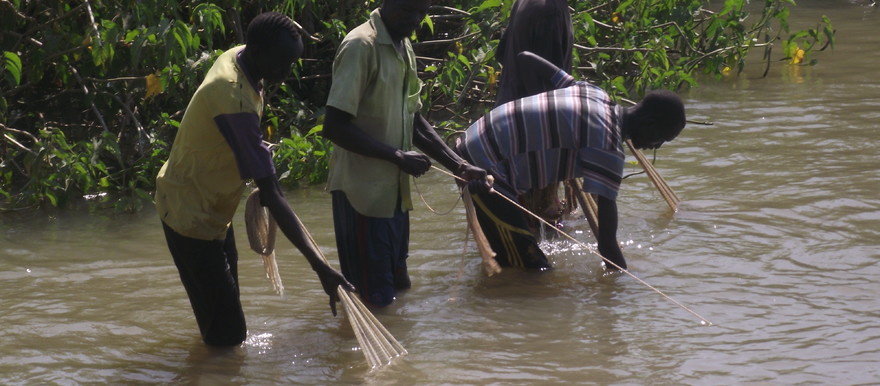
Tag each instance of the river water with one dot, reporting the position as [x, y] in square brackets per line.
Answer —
[777, 243]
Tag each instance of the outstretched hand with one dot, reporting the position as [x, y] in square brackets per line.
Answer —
[331, 279]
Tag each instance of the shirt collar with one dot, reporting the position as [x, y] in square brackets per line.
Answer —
[382, 35]
[247, 73]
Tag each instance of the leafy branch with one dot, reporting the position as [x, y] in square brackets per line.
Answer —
[91, 93]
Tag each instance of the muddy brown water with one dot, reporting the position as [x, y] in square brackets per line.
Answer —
[777, 243]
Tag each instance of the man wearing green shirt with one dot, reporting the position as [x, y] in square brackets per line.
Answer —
[373, 119]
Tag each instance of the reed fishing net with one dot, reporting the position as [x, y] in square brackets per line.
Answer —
[377, 344]
[261, 230]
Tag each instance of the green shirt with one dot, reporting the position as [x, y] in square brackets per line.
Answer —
[200, 186]
[380, 88]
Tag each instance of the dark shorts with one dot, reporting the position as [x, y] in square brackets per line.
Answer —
[209, 273]
[372, 250]
[507, 229]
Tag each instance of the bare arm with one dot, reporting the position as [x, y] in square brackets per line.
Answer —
[608, 245]
[338, 127]
[536, 73]
[272, 198]
[427, 139]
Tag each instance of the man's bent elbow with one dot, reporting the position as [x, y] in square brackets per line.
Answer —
[334, 120]
[329, 131]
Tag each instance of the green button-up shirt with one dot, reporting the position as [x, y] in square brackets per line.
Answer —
[380, 88]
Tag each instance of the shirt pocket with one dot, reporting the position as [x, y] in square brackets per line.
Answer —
[414, 93]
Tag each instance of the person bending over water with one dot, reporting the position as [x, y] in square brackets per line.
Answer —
[572, 131]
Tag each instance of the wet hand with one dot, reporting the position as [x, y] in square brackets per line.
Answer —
[331, 280]
[477, 178]
[413, 162]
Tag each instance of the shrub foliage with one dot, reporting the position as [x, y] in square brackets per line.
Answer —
[91, 91]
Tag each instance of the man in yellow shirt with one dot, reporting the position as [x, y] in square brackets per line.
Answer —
[217, 148]
[373, 119]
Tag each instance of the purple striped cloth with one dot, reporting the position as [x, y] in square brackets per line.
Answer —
[573, 131]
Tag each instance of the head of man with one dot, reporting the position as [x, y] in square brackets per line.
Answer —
[403, 17]
[658, 118]
[272, 44]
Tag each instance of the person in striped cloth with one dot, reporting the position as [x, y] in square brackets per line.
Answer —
[542, 27]
[574, 130]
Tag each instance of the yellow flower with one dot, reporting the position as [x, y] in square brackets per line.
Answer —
[798, 57]
[616, 18]
[154, 87]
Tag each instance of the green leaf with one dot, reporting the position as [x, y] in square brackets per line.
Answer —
[315, 130]
[624, 5]
[487, 4]
[464, 60]
[12, 66]
[144, 195]
[51, 197]
[427, 21]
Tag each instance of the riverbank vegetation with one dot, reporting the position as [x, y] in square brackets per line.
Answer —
[91, 92]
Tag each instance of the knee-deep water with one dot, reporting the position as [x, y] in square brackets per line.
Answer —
[777, 243]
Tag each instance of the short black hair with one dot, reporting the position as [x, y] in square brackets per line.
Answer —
[266, 28]
[667, 108]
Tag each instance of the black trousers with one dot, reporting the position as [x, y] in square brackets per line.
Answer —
[209, 273]
[507, 229]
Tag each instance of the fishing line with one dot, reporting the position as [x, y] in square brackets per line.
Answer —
[467, 232]
[653, 160]
[576, 241]
[421, 196]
